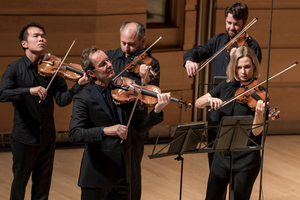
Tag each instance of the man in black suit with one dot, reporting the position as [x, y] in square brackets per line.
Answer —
[106, 166]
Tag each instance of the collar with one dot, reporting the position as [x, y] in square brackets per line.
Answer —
[101, 89]
[247, 82]
[28, 62]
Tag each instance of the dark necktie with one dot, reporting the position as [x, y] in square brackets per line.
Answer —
[112, 106]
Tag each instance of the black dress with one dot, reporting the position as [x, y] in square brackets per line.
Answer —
[246, 164]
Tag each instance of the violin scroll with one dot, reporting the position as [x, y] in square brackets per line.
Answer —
[274, 113]
[184, 104]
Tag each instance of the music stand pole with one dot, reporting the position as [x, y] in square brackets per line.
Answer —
[179, 158]
[231, 160]
[186, 139]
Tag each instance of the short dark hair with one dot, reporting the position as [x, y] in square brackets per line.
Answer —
[140, 29]
[24, 33]
[85, 61]
[238, 10]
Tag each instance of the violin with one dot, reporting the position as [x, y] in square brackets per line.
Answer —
[249, 92]
[137, 61]
[48, 65]
[228, 45]
[253, 95]
[242, 40]
[126, 90]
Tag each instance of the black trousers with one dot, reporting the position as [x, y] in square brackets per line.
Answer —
[136, 184]
[138, 142]
[35, 159]
[242, 182]
[120, 191]
[211, 136]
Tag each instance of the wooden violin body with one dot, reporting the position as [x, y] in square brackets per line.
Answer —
[126, 90]
[137, 61]
[251, 96]
[242, 40]
[48, 65]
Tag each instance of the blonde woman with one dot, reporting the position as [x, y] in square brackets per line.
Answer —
[242, 69]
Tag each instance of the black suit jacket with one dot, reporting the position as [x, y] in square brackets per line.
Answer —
[104, 156]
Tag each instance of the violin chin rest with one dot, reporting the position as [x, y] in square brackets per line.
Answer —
[46, 56]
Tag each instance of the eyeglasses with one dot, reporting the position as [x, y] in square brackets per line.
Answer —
[105, 62]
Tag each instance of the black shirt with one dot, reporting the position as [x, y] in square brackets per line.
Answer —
[33, 121]
[242, 160]
[118, 63]
[208, 49]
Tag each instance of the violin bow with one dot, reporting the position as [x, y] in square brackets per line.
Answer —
[135, 103]
[60, 64]
[142, 53]
[225, 46]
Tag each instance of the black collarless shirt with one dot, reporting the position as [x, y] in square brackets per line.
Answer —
[242, 160]
[33, 121]
[213, 45]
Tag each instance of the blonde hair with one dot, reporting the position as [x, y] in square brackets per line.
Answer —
[243, 51]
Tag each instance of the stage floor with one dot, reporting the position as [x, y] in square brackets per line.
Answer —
[161, 176]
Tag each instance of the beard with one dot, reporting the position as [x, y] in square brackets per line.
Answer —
[231, 34]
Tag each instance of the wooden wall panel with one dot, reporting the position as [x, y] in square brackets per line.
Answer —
[53, 7]
[172, 112]
[62, 117]
[280, 59]
[60, 32]
[286, 99]
[284, 31]
[6, 109]
[97, 23]
[7, 115]
[266, 4]
[118, 7]
[170, 40]
[108, 29]
[172, 73]
[190, 30]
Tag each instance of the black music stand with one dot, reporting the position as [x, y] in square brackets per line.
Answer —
[186, 140]
[233, 135]
[217, 80]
